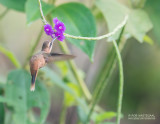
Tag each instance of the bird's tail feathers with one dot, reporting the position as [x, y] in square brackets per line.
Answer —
[32, 88]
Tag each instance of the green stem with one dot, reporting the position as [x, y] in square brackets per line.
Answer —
[71, 63]
[33, 47]
[121, 82]
[110, 62]
[108, 69]
[118, 27]
[63, 114]
[4, 13]
[74, 69]
[73, 66]
[41, 11]
[99, 90]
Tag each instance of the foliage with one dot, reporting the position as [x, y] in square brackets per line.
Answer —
[79, 21]
[10, 56]
[16, 4]
[32, 10]
[136, 17]
[19, 97]
[2, 113]
[153, 10]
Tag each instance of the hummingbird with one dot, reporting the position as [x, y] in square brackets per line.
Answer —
[44, 57]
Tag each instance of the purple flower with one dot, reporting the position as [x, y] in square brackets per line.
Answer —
[48, 29]
[60, 27]
[55, 20]
[58, 31]
[59, 36]
[53, 35]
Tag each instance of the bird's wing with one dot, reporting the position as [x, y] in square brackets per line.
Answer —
[57, 57]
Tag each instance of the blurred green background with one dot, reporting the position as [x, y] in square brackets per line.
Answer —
[141, 63]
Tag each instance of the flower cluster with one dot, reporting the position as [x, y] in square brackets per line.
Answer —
[59, 29]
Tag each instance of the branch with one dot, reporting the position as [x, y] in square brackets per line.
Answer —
[103, 81]
[42, 15]
[121, 82]
[118, 27]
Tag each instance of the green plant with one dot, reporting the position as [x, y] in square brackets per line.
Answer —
[81, 32]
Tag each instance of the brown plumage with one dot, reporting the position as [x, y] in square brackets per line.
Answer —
[42, 58]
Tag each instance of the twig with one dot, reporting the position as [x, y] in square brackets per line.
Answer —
[121, 82]
[103, 36]
[72, 64]
[42, 16]
[104, 79]
[118, 27]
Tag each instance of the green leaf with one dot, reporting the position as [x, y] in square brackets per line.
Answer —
[153, 9]
[137, 3]
[139, 24]
[10, 56]
[147, 39]
[82, 114]
[69, 99]
[14, 4]
[66, 73]
[19, 96]
[79, 21]
[108, 123]
[2, 113]
[33, 12]
[105, 116]
[49, 74]
[63, 67]
[114, 12]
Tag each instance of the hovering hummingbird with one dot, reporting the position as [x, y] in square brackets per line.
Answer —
[42, 58]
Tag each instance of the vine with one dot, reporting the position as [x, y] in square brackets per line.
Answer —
[82, 84]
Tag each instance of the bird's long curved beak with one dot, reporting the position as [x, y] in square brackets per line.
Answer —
[52, 42]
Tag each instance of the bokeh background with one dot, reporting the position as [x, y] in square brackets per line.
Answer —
[141, 63]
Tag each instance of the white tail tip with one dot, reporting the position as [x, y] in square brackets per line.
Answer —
[32, 87]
